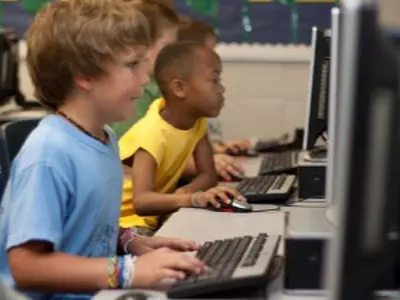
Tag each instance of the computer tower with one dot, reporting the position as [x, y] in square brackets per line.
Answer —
[311, 176]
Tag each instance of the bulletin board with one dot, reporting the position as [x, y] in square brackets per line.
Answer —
[235, 21]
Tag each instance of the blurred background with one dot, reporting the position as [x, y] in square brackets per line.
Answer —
[264, 45]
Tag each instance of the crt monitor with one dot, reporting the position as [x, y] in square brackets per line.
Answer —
[317, 110]
[365, 244]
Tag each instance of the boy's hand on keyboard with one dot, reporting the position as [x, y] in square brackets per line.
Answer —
[143, 244]
[234, 146]
[164, 263]
[227, 166]
[210, 196]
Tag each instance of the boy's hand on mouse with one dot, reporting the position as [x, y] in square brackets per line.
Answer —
[227, 166]
[153, 267]
[202, 199]
[144, 244]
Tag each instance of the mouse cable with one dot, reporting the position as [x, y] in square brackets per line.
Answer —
[273, 208]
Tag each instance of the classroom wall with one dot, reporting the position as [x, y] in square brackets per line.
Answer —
[267, 86]
[266, 89]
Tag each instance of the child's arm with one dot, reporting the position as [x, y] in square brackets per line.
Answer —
[35, 266]
[206, 172]
[190, 168]
[35, 223]
[36, 213]
[147, 201]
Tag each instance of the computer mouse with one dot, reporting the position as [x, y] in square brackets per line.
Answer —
[133, 296]
[236, 205]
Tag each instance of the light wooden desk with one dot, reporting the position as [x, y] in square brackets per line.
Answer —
[203, 225]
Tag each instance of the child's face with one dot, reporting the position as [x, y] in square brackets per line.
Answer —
[205, 91]
[168, 36]
[113, 94]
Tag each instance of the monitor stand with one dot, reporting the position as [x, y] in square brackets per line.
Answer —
[319, 153]
[331, 214]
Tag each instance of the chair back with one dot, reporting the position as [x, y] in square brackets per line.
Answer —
[12, 136]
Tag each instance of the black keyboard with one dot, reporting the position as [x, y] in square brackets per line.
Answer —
[280, 162]
[233, 263]
[275, 189]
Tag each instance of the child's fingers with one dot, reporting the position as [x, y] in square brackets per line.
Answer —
[233, 192]
[182, 245]
[184, 262]
[224, 197]
[209, 198]
[224, 174]
[172, 274]
[233, 171]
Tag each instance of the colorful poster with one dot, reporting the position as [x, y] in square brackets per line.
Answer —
[237, 21]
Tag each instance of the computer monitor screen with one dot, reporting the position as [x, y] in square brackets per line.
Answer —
[317, 109]
[363, 254]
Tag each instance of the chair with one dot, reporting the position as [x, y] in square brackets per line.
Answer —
[12, 135]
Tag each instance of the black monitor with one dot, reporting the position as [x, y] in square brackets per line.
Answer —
[333, 114]
[317, 110]
[8, 65]
[365, 245]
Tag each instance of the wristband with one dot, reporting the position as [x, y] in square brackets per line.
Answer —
[127, 236]
[120, 271]
[122, 267]
[194, 199]
[129, 271]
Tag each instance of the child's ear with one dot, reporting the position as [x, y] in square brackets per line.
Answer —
[83, 83]
[179, 88]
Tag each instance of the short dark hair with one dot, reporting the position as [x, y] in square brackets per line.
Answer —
[175, 61]
[159, 15]
[194, 30]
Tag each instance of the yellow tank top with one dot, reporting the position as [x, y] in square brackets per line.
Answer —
[170, 147]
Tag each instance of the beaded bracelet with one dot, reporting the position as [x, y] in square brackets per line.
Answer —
[121, 271]
[113, 272]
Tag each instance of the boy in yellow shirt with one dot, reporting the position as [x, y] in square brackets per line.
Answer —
[159, 146]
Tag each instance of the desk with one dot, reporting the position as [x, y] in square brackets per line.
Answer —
[203, 225]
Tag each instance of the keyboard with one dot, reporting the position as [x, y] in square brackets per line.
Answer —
[274, 189]
[233, 263]
[280, 162]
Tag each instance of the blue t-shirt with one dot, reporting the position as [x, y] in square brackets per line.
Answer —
[65, 188]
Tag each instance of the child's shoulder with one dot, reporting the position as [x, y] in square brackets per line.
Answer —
[48, 143]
